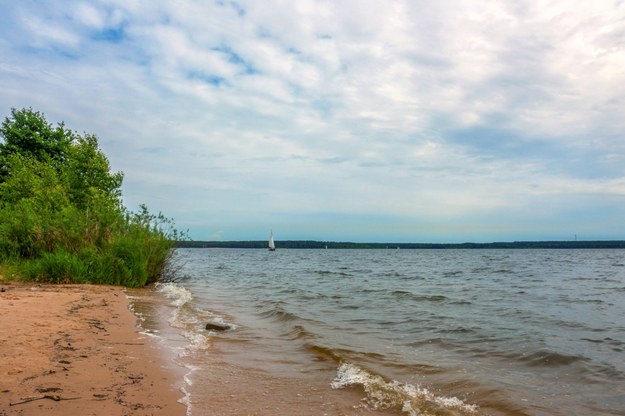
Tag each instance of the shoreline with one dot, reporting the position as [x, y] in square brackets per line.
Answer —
[315, 245]
[76, 349]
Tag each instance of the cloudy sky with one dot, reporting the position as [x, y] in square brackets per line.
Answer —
[346, 120]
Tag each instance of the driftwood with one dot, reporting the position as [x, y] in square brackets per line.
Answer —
[45, 396]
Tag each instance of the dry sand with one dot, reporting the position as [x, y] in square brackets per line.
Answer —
[75, 350]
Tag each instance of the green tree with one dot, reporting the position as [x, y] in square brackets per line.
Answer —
[61, 214]
[28, 133]
[87, 173]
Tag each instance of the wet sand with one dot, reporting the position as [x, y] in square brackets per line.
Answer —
[75, 350]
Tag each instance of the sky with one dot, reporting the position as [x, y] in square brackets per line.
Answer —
[345, 120]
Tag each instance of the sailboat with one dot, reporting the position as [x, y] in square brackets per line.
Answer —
[272, 245]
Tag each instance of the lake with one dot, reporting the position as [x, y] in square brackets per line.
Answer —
[395, 332]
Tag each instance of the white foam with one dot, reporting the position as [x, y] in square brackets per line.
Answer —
[348, 374]
[190, 320]
[186, 315]
[197, 341]
[411, 399]
[192, 369]
[151, 334]
[185, 400]
[178, 294]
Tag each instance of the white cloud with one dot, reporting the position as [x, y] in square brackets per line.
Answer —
[50, 34]
[456, 111]
[89, 16]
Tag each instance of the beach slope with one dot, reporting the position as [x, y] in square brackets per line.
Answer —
[75, 350]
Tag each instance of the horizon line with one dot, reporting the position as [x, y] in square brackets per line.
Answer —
[348, 244]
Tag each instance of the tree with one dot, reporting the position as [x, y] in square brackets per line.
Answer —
[28, 133]
[82, 168]
[87, 172]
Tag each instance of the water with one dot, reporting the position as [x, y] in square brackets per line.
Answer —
[397, 332]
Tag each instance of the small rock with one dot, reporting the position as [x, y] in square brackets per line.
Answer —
[217, 326]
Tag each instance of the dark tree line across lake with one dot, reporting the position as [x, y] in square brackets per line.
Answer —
[310, 244]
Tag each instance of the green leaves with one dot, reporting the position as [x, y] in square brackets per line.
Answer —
[73, 161]
[28, 133]
[33, 180]
[86, 173]
[61, 215]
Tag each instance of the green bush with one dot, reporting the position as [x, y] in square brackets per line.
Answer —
[61, 216]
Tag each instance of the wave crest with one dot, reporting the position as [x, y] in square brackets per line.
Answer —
[178, 294]
[407, 398]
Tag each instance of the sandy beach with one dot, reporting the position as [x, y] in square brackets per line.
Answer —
[75, 350]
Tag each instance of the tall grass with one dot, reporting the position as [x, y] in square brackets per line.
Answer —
[74, 246]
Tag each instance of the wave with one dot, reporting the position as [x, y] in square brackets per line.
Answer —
[331, 272]
[439, 342]
[279, 315]
[546, 358]
[461, 302]
[336, 356]
[403, 294]
[178, 294]
[606, 340]
[458, 330]
[407, 398]
[298, 332]
[328, 353]
[367, 290]
[188, 317]
[603, 372]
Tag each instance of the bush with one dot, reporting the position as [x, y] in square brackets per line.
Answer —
[61, 216]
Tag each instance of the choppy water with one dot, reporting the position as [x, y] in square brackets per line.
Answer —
[415, 332]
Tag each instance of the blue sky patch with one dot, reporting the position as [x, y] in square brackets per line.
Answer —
[111, 34]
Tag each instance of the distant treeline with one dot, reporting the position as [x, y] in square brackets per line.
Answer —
[308, 244]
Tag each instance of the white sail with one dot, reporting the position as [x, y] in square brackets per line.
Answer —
[272, 245]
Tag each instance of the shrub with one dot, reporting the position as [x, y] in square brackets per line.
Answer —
[61, 215]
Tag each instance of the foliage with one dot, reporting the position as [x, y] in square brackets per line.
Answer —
[61, 215]
[87, 173]
[27, 133]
